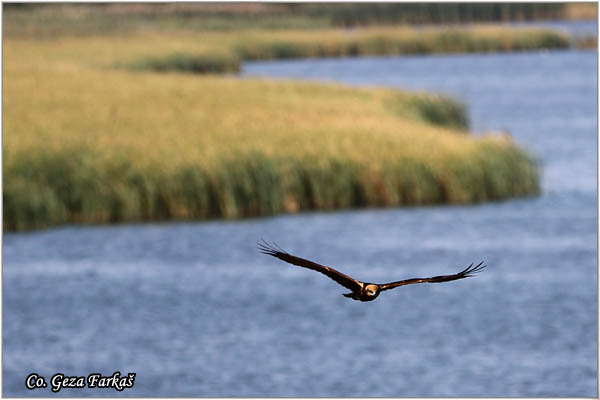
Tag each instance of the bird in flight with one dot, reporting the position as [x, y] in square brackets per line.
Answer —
[363, 291]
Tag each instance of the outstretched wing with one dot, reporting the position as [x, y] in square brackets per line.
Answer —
[467, 272]
[337, 276]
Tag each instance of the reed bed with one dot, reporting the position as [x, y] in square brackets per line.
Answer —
[228, 50]
[48, 188]
[63, 19]
[384, 41]
[88, 144]
[209, 62]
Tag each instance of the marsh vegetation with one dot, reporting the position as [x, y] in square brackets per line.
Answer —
[227, 51]
[92, 133]
[95, 146]
[73, 19]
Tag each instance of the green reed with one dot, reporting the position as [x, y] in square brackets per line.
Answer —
[43, 189]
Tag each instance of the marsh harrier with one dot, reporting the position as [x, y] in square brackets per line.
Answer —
[363, 291]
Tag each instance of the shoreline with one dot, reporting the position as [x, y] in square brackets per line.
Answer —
[87, 142]
[229, 50]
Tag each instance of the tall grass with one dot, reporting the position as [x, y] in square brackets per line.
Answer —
[63, 19]
[73, 186]
[208, 62]
[396, 41]
[353, 14]
[439, 110]
[89, 144]
[228, 50]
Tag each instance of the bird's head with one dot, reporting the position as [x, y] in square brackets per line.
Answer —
[372, 290]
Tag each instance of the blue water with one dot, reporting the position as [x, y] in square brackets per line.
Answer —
[195, 310]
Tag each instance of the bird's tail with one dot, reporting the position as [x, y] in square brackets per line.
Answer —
[352, 295]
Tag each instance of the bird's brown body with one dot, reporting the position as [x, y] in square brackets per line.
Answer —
[362, 291]
[367, 292]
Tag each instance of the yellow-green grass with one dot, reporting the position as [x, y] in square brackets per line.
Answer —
[216, 51]
[85, 142]
[52, 20]
[208, 62]
[381, 41]
[224, 51]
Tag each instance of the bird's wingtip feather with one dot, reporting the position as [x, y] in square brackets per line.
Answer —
[269, 249]
[472, 270]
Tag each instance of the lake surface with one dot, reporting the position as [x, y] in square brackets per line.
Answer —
[195, 310]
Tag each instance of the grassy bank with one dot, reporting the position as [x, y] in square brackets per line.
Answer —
[382, 41]
[64, 19]
[208, 62]
[77, 185]
[224, 52]
[85, 142]
[357, 14]
[186, 38]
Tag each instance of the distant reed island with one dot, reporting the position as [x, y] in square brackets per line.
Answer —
[93, 133]
[63, 19]
[231, 49]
